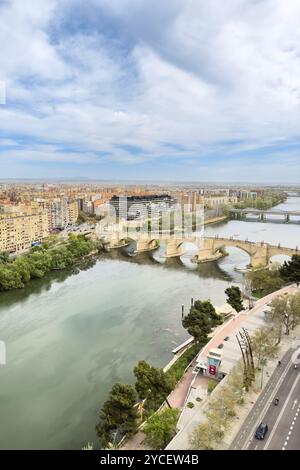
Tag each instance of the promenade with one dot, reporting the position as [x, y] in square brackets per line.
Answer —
[251, 320]
[190, 418]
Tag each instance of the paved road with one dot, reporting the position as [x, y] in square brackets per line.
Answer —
[282, 420]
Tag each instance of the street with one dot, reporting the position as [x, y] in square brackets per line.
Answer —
[282, 420]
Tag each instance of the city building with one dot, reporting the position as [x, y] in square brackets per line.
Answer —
[19, 231]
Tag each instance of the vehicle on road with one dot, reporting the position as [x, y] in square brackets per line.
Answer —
[276, 401]
[261, 431]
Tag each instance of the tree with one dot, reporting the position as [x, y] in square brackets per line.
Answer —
[234, 298]
[152, 384]
[4, 257]
[118, 413]
[280, 315]
[264, 345]
[160, 428]
[200, 320]
[265, 281]
[221, 408]
[294, 304]
[82, 218]
[9, 279]
[290, 270]
[203, 437]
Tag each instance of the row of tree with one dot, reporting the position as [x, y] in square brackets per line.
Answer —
[284, 315]
[265, 202]
[14, 274]
[120, 413]
[265, 281]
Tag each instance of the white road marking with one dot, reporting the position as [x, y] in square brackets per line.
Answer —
[281, 413]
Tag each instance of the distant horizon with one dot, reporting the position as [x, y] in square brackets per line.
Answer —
[146, 182]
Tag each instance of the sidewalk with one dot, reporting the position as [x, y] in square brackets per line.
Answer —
[191, 418]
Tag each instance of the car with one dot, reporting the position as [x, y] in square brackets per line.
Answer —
[226, 338]
[261, 431]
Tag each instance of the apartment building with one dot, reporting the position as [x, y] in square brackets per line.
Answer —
[18, 231]
[60, 211]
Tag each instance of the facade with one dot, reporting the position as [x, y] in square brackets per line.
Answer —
[19, 231]
[60, 211]
[63, 212]
[131, 207]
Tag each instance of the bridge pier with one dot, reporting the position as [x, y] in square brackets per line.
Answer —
[173, 248]
[144, 245]
[208, 252]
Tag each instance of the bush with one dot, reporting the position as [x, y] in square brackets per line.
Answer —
[160, 428]
[211, 385]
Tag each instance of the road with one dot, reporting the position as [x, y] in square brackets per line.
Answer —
[283, 420]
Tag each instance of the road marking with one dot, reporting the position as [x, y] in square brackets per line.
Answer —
[281, 413]
[266, 406]
[294, 404]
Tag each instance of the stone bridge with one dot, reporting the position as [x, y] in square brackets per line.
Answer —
[209, 248]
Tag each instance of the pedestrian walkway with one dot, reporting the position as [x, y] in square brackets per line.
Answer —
[191, 418]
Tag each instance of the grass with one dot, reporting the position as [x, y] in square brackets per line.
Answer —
[176, 371]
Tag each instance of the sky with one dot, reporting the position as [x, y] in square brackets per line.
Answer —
[150, 89]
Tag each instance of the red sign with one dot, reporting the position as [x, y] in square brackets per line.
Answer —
[212, 370]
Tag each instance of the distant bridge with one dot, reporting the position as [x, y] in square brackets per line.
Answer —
[209, 248]
[262, 214]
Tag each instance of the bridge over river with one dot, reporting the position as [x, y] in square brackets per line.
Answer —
[287, 216]
[209, 248]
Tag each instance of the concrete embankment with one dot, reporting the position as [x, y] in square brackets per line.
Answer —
[215, 220]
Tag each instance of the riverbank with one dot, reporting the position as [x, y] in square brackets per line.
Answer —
[52, 256]
[216, 220]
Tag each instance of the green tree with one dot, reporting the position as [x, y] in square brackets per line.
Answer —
[4, 257]
[160, 428]
[9, 279]
[82, 218]
[152, 383]
[22, 267]
[290, 270]
[264, 345]
[200, 320]
[118, 414]
[203, 437]
[264, 281]
[294, 304]
[61, 258]
[234, 298]
[281, 315]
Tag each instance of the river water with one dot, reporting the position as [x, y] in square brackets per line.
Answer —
[70, 337]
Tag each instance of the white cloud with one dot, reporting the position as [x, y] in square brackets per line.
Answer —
[150, 73]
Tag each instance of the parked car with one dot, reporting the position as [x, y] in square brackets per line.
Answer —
[261, 431]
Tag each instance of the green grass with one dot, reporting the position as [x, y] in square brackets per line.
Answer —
[177, 369]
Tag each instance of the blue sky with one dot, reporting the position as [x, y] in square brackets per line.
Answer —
[150, 89]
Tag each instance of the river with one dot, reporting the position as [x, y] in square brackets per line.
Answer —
[70, 337]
